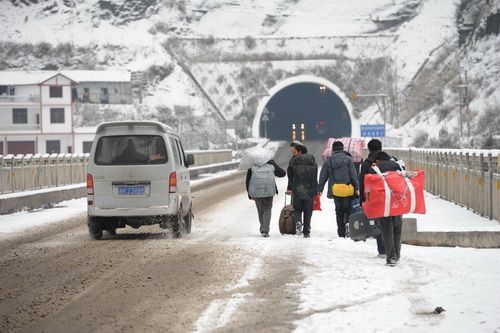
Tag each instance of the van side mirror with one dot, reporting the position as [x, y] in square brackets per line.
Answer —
[190, 159]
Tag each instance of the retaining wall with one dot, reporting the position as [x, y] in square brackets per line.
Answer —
[475, 239]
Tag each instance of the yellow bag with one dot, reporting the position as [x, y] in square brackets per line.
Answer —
[343, 190]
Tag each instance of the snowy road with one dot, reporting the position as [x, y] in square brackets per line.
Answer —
[225, 277]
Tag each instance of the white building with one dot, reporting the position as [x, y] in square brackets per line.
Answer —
[36, 109]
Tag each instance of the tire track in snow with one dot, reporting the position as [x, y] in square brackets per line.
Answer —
[221, 311]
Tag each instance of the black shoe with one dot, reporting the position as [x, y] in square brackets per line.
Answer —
[265, 234]
[307, 236]
[391, 262]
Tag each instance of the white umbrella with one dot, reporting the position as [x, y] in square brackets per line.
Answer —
[254, 156]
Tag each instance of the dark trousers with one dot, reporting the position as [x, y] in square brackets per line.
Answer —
[342, 211]
[391, 228]
[380, 244]
[264, 207]
[303, 207]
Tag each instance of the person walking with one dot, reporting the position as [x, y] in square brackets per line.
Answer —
[340, 172]
[261, 188]
[374, 147]
[302, 185]
[391, 226]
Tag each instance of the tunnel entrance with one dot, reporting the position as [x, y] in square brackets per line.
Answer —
[316, 105]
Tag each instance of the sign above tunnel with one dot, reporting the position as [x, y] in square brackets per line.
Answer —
[373, 131]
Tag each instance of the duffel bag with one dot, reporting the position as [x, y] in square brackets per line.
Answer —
[394, 193]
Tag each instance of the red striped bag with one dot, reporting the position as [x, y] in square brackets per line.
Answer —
[394, 193]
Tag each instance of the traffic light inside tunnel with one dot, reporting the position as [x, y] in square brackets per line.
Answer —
[322, 113]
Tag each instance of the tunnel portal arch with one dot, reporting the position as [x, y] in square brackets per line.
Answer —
[305, 79]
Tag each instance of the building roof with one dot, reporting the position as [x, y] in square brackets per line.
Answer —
[18, 78]
[98, 76]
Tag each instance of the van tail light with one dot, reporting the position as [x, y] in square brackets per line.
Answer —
[90, 184]
[90, 188]
[172, 188]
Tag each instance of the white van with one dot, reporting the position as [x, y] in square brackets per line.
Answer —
[138, 175]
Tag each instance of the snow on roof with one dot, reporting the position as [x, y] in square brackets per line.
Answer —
[98, 76]
[17, 78]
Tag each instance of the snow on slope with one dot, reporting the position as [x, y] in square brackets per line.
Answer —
[417, 38]
[86, 24]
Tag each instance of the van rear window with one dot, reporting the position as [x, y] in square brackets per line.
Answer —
[131, 150]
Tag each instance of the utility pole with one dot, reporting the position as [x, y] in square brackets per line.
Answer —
[463, 102]
[467, 111]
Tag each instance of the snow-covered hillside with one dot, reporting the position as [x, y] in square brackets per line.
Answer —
[121, 34]
[454, 76]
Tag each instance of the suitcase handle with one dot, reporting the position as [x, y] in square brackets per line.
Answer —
[290, 198]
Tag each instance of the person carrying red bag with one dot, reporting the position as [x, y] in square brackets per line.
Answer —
[374, 147]
[390, 226]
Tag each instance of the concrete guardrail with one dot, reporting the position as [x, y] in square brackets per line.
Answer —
[476, 239]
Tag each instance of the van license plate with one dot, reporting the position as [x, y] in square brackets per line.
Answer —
[131, 190]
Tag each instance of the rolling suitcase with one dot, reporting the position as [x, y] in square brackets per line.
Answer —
[355, 208]
[287, 221]
[360, 228]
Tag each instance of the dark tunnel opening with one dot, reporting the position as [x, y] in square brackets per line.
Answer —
[322, 112]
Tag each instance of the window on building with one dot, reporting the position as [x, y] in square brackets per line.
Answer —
[74, 95]
[53, 146]
[57, 115]
[56, 92]
[86, 95]
[19, 116]
[12, 91]
[3, 90]
[87, 146]
[104, 96]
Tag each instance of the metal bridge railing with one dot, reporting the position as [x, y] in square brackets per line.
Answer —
[31, 172]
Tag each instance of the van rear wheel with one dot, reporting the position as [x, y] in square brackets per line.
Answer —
[188, 219]
[95, 228]
[178, 224]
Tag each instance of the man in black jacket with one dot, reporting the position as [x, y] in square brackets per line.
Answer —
[390, 226]
[374, 147]
[302, 184]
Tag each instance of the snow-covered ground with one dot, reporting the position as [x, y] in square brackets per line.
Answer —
[345, 287]
[17, 222]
